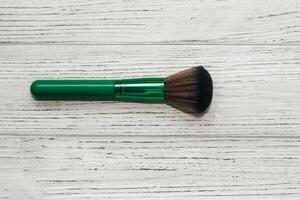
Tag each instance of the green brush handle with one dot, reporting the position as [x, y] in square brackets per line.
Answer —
[140, 89]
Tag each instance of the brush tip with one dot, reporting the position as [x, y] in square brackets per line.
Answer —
[190, 90]
[205, 88]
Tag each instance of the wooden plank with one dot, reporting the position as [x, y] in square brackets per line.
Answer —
[256, 90]
[149, 168]
[151, 22]
[245, 147]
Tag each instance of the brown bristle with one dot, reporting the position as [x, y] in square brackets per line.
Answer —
[189, 90]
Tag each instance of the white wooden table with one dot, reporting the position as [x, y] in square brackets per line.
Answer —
[246, 147]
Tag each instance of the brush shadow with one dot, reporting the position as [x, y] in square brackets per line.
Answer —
[189, 112]
[199, 115]
[59, 105]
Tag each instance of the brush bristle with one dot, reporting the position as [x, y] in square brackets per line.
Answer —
[190, 90]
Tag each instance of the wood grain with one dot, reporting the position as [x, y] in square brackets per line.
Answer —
[150, 22]
[245, 147]
[149, 168]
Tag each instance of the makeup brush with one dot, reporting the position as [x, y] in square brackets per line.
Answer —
[190, 90]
